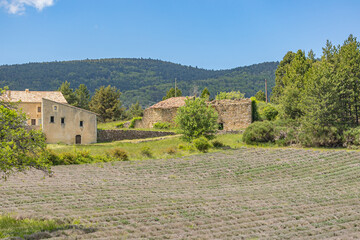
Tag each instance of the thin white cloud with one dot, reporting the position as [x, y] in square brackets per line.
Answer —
[19, 6]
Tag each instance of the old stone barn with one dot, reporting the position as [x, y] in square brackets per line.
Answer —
[233, 114]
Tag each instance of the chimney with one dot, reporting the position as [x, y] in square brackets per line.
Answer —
[27, 90]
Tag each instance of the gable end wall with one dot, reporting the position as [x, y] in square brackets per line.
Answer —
[65, 133]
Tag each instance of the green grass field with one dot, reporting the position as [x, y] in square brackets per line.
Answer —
[158, 146]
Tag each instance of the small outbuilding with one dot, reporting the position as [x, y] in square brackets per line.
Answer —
[233, 114]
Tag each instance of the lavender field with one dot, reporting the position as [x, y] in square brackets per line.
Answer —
[248, 193]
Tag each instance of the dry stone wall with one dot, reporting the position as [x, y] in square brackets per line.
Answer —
[154, 115]
[233, 114]
[117, 135]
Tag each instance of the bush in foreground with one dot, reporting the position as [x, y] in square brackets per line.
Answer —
[78, 157]
[217, 144]
[259, 132]
[146, 151]
[196, 119]
[119, 154]
[202, 144]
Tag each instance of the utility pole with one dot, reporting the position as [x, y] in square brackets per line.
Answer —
[175, 87]
[266, 96]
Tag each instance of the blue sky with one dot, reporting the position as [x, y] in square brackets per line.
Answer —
[211, 34]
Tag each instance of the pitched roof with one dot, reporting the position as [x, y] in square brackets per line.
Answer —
[71, 106]
[35, 96]
[174, 102]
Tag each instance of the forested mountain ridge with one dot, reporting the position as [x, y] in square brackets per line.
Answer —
[143, 80]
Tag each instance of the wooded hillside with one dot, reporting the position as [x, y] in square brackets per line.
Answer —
[143, 80]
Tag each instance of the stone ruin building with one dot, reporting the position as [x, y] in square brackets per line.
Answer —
[233, 114]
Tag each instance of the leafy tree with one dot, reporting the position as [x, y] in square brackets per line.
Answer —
[171, 93]
[82, 95]
[106, 103]
[260, 96]
[205, 94]
[196, 119]
[230, 95]
[291, 79]
[135, 110]
[68, 93]
[281, 76]
[21, 148]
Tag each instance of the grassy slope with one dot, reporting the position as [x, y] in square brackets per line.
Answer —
[249, 193]
[159, 148]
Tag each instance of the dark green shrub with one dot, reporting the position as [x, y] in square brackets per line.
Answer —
[352, 137]
[133, 121]
[286, 132]
[312, 135]
[259, 132]
[52, 157]
[270, 112]
[217, 144]
[146, 151]
[254, 110]
[202, 144]
[120, 154]
[162, 125]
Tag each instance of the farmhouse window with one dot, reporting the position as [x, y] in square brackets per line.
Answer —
[52, 119]
[81, 123]
[55, 108]
[33, 122]
[221, 126]
[62, 120]
[39, 109]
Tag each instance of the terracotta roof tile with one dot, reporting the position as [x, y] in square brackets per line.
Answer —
[35, 96]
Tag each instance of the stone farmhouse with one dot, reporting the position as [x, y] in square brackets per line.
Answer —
[233, 114]
[60, 122]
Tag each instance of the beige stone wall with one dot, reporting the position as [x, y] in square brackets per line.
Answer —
[31, 111]
[65, 133]
[233, 114]
[154, 115]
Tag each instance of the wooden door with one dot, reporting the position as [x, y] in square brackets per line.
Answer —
[78, 139]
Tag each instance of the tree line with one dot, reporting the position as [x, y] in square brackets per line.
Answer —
[139, 79]
[319, 97]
